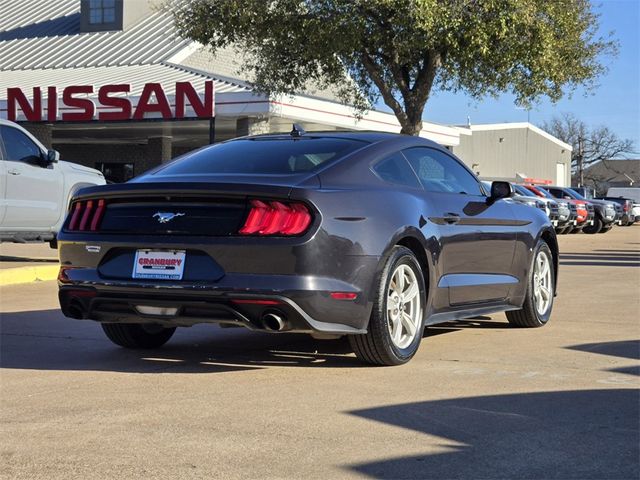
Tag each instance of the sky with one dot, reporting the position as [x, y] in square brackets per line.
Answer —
[615, 103]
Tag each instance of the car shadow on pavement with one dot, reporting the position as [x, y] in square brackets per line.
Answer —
[619, 251]
[600, 259]
[474, 322]
[45, 340]
[565, 434]
[632, 370]
[623, 348]
[612, 257]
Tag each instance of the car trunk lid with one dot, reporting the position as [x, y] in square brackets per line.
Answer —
[176, 208]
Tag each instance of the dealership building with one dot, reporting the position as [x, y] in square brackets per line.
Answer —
[110, 84]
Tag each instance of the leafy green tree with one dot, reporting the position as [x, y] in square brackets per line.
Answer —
[402, 50]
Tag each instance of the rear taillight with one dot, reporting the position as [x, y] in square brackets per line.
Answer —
[626, 207]
[343, 295]
[276, 218]
[86, 216]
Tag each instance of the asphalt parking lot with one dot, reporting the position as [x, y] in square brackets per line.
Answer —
[480, 400]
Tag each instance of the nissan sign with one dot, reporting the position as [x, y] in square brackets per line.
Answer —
[84, 103]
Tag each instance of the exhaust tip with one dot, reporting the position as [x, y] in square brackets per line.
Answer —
[75, 310]
[273, 321]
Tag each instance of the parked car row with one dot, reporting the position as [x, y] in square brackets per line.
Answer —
[627, 200]
[572, 212]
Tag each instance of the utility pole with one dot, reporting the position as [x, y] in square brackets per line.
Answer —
[580, 161]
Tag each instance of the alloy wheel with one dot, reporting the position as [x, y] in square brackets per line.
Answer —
[404, 309]
[542, 283]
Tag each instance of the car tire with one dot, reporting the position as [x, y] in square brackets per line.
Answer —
[595, 228]
[134, 335]
[401, 279]
[533, 313]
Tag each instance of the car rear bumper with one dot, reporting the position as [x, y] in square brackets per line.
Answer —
[304, 303]
[294, 276]
[184, 311]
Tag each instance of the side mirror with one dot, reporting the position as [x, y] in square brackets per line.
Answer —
[500, 190]
[53, 156]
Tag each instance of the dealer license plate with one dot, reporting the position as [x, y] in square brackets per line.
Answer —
[159, 264]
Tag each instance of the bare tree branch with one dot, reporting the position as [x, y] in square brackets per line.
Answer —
[599, 143]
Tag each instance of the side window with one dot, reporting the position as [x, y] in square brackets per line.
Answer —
[395, 169]
[17, 145]
[555, 192]
[438, 172]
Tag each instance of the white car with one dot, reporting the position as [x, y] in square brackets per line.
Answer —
[35, 188]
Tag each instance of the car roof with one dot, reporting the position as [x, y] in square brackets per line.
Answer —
[365, 136]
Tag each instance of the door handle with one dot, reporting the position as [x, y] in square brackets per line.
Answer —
[14, 172]
[451, 218]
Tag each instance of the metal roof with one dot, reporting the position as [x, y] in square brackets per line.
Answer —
[41, 45]
[615, 170]
[30, 18]
[44, 34]
[136, 75]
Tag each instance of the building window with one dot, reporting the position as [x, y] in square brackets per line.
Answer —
[102, 11]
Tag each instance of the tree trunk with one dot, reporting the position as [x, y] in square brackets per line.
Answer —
[409, 113]
[411, 122]
[411, 128]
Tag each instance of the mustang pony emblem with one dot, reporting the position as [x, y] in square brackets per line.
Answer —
[164, 217]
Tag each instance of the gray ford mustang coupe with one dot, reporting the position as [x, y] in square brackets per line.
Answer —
[369, 235]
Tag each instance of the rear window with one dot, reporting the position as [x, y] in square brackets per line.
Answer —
[263, 156]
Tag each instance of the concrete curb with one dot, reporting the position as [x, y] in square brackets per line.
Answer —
[13, 276]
